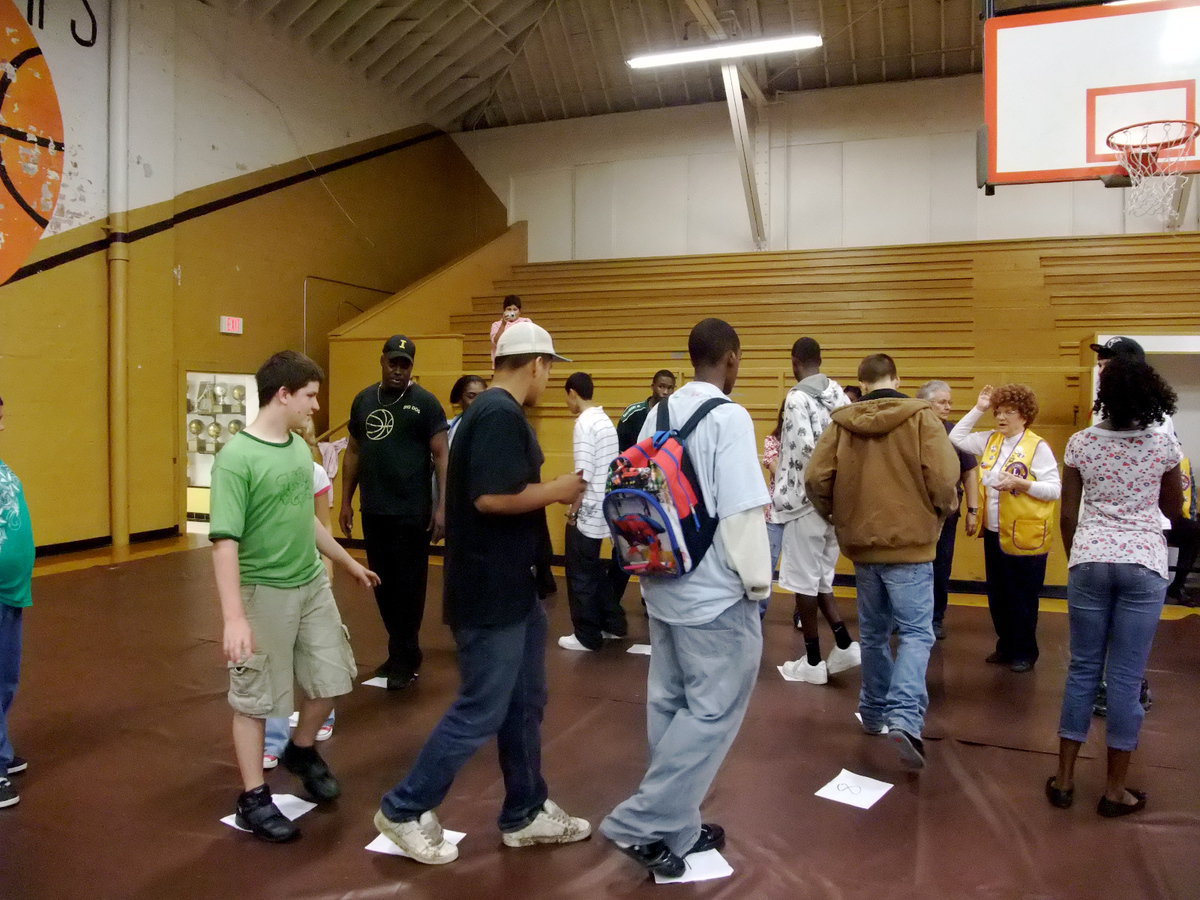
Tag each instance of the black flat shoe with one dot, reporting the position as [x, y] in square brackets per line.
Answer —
[1058, 797]
[712, 837]
[997, 659]
[657, 857]
[1111, 810]
[1021, 665]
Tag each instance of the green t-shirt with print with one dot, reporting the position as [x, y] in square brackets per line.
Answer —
[262, 497]
[16, 542]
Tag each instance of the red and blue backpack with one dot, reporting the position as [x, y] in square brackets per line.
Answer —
[653, 503]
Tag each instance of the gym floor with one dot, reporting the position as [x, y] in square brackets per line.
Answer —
[122, 715]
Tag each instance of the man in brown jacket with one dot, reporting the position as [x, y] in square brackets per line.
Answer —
[884, 473]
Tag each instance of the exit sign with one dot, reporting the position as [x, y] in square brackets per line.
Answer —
[231, 324]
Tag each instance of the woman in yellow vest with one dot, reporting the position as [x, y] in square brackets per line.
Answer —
[1019, 482]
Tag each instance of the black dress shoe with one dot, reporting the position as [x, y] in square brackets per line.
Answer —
[657, 857]
[258, 814]
[1057, 797]
[997, 659]
[712, 837]
[306, 764]
[1021, 665]
[939, 631]
[1111, 810]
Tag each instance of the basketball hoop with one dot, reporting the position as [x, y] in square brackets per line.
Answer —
[1154, 171]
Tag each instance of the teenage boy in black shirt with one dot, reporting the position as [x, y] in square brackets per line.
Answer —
[397, 441]
[495, 515]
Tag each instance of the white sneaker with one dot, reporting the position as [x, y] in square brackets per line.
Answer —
[421, 839]
[551, 826]
[802, 670]
[570, 642]
[841, 660]
[270, 760]
[325, 732]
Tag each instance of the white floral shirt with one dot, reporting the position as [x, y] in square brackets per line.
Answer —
[1122, 472]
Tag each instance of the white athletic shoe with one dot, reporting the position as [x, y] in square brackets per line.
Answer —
[421, 839]
[325, 732]
[570, 642]
[551, 826]
[801, 670]
[841, 660]
[270, 760]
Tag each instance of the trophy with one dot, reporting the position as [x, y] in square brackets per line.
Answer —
[235, 425]
[214, 432]
[194, 428]
[204, 399]
[239, 399]
[220, 391]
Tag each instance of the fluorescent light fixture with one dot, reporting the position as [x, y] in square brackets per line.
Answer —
[726, 50]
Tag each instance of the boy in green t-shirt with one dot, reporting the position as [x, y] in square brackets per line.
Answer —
[281, 621]
[16, 576]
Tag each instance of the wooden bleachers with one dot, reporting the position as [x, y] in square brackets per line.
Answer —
[968, 313]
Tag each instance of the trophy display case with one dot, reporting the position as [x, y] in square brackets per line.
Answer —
[218, 406]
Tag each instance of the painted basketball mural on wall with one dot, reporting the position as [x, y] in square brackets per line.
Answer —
[31, 142]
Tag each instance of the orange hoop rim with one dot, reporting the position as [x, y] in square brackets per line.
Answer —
[1153, 148]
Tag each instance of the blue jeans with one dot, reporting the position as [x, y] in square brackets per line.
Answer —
[503, 693]
[700, 681]
[278, 731]
[1114, 610]
[893, 691]
[10, 674]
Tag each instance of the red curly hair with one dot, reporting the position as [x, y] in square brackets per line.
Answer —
[1019, 397]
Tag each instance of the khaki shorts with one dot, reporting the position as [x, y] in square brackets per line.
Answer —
[810, 553]
[298, 635]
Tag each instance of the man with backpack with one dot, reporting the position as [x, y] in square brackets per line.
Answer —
[704, 624]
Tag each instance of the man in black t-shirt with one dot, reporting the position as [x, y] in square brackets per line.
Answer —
[397, 441]
[495, 515]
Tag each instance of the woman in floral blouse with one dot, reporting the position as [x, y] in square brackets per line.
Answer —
[1126, 472]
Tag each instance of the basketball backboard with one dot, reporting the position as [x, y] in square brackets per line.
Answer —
[1058, 82]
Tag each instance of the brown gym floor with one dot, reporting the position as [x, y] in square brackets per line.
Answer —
[123, 718]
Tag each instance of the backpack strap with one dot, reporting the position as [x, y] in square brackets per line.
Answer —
[663, 423]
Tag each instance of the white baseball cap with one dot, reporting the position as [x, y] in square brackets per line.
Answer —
[526, 337]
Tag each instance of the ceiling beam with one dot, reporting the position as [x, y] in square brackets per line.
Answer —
[744, 148]
[712, 27]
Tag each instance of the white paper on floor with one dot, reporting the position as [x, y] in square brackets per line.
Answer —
[643, 649]
[289, 804]
[854, 790]
[377, 681]
[700, 867]
[382, 844]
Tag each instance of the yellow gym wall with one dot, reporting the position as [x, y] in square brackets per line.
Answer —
[396, 216]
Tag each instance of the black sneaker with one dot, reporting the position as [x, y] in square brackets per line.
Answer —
[20, 763]
[401, 681]
[258, 814]
[657, 857]
[306, 764]
[911, 749]
[712, 837]
[939, 631]
[8, 794]
[1144, 698]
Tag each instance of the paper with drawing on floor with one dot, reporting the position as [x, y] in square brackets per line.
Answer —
[854, 790]
[377, 681]
[643, 649]
[700, 867]
[382, 844]
[289, 804]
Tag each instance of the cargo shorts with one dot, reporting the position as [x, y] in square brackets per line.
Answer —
[298, 637]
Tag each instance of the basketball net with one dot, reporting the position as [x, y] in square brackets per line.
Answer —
[1153, 154]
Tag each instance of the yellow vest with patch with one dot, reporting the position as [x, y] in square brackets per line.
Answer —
[1024, 527]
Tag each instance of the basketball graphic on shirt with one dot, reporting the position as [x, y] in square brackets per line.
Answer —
[379, 424]
[31, 142]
